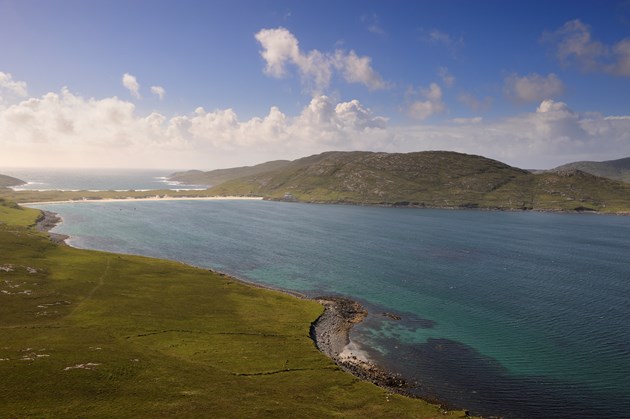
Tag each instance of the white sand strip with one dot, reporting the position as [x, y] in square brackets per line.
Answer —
[154, 198]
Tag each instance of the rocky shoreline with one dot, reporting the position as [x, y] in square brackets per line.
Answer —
[46, 222]
[331, 334]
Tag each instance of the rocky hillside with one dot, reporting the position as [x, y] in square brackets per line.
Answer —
[430, 179]
[612, 169]
[8, 181]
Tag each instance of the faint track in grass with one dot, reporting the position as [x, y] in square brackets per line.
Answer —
[101, 282]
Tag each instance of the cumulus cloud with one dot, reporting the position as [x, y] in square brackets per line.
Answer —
[131, 84]
[158, 91]
[17, 88]
[551, 135]
[66, 129]
[533, 87]
[281, 50]
[430, 102]
[67, 120]
[575, 45]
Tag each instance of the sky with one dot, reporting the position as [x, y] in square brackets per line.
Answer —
[192, 84]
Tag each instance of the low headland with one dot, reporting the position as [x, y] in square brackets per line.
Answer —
[100, 334]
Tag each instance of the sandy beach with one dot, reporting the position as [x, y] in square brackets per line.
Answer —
[153, 198]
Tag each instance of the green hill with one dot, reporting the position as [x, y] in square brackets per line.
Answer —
[8, 181]
[612, 169]
[216, 177]
[429, 179]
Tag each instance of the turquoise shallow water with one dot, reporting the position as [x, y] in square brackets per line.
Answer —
[503, 313]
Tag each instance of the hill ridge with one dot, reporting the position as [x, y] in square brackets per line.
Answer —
[613, 169]
[439, 179]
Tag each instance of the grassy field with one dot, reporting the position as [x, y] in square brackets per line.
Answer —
[94, 334]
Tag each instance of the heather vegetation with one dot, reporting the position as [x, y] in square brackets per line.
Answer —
[437, 179]
[612, 169]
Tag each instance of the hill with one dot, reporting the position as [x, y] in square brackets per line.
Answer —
[8, 181]
[429, 179]
[216, 177]
[612, 169]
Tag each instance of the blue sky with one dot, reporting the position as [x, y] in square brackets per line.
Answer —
[209, 84]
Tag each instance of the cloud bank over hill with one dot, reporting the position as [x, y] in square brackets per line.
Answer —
[65, 128]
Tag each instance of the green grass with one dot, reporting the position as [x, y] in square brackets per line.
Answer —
[94, 334]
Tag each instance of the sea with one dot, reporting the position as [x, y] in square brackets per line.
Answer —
[46, 179]
[511, 314]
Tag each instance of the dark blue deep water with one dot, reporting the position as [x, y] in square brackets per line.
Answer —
[516, 314]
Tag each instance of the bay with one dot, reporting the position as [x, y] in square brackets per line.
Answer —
[515, 314]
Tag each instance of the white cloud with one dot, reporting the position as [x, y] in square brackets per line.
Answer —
[432, 103]
[357, 69]
[131, 84]
[281, 50]
[17, 88]
[575, 45]
[158, 91]
[550, 136]
[65, 129]
[533, 87]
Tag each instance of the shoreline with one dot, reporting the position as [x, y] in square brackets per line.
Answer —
[46, 222]
[350, 203]
[153, 198]
[330, 332]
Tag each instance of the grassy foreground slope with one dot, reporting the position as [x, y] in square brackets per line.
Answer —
[94, 334]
